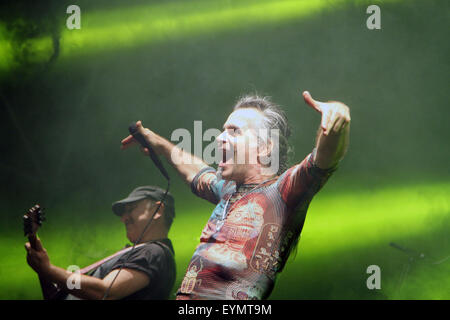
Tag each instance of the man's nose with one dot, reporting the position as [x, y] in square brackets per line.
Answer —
[222, 138]
[124, 217]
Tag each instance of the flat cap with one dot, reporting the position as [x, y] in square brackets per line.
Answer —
[146, 192]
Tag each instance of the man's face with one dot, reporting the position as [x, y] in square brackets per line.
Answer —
[239, 144]
[135, 217]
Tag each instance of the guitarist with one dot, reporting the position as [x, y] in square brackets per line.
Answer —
[146, 272]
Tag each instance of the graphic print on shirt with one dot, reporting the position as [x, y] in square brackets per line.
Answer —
[266, 257]
[243, 223]
[190, 279]
[243, 290]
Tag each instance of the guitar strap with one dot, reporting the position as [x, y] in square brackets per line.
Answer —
[60, 294]
[95, 265]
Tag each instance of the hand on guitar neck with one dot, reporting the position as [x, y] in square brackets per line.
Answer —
[37, 257]
[54, 279]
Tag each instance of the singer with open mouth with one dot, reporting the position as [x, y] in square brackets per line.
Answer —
[260, 207]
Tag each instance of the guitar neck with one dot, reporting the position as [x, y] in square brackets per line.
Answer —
[32, 239]
[32, 220]
[49, 290]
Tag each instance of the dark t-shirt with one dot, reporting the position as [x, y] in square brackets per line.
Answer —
[155, 259]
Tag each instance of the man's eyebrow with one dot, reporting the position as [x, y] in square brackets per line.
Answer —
[130, 206]
[230, 126]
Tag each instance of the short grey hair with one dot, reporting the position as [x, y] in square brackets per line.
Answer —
[169, 212]
[275, 118]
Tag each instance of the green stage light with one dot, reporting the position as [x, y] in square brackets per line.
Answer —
[6, 51]
[140, 25]
[344, 221]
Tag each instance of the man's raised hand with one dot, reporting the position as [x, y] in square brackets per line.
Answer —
[129, 140]
[335, 115]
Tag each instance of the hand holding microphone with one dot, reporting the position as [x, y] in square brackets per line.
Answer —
[141, 135]
[130, 140]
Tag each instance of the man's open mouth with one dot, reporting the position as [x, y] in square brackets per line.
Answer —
[227, 157]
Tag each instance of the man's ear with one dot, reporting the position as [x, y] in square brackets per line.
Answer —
[265, 151]
[160, 211]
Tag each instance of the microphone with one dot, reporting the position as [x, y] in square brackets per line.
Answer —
[140, 138]
[412, 254]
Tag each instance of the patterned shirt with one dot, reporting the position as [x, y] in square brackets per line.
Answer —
[248, 237]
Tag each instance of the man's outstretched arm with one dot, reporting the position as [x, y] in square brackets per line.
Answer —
[333, 136]
[185, 163]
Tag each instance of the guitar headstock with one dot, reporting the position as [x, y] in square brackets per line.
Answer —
[32, 220]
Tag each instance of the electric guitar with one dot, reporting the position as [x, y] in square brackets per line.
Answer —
[32, 220]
